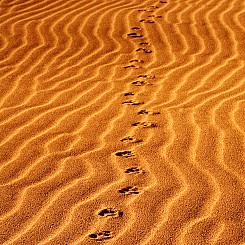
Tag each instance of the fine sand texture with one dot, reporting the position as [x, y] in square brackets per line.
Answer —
[122, 122]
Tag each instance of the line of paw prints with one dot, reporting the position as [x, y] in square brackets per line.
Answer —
[143, 80]
[113, 212]
[137, 34]
[135, 64]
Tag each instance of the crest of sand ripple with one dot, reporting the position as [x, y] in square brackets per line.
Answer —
[62, 119]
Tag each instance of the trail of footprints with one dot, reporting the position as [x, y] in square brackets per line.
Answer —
[141, 80]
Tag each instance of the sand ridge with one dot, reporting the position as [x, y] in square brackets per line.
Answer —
[122, 122]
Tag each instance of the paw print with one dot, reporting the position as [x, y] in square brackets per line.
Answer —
[129, 190]
[147, 21]
[141, 83]
[110, 212]
[132, 66]
[144, 43]
[145, 112]
[136, 28]
[154, 16]
[143, 50]
[145, 10]
[130, 102]
[147, 76]
[101, 236]
[134, 170]
[136, 61]
[135, 35]
[125, 154]
[128, 94]
[153, 7]
[131, 140]
[144, 124]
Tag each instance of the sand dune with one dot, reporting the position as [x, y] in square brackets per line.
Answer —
[122, 122]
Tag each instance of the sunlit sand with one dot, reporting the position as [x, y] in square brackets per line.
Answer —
[122, 122]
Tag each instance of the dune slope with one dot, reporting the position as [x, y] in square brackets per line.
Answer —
[122, 122]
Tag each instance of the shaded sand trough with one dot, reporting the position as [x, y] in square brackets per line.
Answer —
[122, 122]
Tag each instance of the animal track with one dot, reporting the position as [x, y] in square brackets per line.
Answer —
[136, 61]
[128, 94]
[129, 190]
[135, 35]
[154, 16]
[101, 236]
[153, 7]
[163, 2]
[134, 170]
[144, 44]
[132, 66]
[141, 83]
[131, 140]
[108, 212]
[132, 34]
[131, 102]
[136, 28]
[147, 21]
[145, 10]
[144, 124]
[143, 50]
[125, 154]
[146, 76]
[142, 112]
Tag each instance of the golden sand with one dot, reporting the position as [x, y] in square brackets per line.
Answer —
[122, 122]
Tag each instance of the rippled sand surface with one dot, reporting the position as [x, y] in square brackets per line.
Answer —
[122, 122]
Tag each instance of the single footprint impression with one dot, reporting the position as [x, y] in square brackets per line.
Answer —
[129, 190]
[110, 212]
[132, 66]
[145, 112]
[134, 170]
[143, 50]
[101, 236]
[128, 94]
[147, 21]
[145, 44]
[125, 154]
[131, 102]
[141, 83]
[130, 139]
[136, 28]
[136, 61]
[144, 124]
[145, 10]
[146, 76]
[135, 35]
[154, 16]
[153, 7]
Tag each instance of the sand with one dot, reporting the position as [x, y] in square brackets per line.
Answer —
[122, 122]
